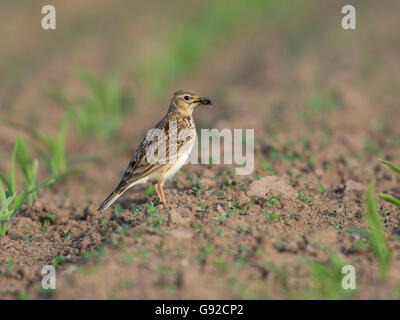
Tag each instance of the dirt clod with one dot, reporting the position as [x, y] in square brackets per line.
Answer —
[270, 185]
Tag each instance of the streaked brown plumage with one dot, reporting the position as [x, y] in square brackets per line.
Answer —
[176, 123]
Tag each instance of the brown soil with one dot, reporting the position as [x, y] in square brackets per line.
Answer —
[313, 164]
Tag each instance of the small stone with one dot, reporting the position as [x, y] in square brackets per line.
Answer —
[240, 198]
[352, 185]
[184, 262]
[181, 234]
[174, 216]
[219, 209]
[269, 185]
[69, 269]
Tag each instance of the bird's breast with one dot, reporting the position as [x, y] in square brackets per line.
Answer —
[182, 155]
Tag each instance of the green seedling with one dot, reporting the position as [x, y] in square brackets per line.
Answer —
[206, 251]
[51, 149]
[198, 228]
[10, 182]
[217, 230]
[95, 254]
[289, 157]
[149, 191]
[237, 207]
[376, 237]
[221, 265]
[136, 210]
[203, 207]
[117, 210]
[10, 200]
[151, 208]
[28, 240]
[223, 217]
[321, 188]
[69, 235]
[360, 243]
[295, 173]
[48, 218]
[144, 255]
[312, 159]
[227, 182]
[272, 200]
[267, 166]
[302, 197]
[387, 197]
[58, 260]
[29, 170]
[273, 217]
[319, 104]
[24, 296]
[54, 153]
[197, 187]
[153, 219]
[328, 278]
[128, 258]
[9, 207]
[9, 267]
[99, 113]
[270, 203]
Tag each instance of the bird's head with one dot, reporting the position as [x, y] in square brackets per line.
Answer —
[185, 101]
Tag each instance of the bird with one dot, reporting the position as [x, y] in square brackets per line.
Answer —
[164, 149]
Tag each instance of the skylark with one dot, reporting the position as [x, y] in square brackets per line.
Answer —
[164, 150]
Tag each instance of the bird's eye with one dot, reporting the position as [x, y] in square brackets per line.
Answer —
[186, 98]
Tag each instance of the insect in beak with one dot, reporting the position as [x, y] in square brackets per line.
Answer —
[204, 101]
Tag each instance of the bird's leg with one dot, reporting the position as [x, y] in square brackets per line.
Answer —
[162, 192]
[155, 186]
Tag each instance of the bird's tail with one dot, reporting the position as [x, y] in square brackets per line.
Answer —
[111, 198]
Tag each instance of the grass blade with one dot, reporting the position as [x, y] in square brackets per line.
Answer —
[17, 205]
[13, 187]
[23, 158]
[376, 237]
[28, 130]
[390, 199]
[5, 180]
[42, 185]
[391, 166]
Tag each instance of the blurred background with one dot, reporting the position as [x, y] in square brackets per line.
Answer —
[238, 52]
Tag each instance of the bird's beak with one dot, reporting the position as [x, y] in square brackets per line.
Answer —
[204, 101]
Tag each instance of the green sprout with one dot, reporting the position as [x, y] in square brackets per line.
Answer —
[376, 236]
[149, 191]
[387, 197]
[302, 197]
[54, 154]
[98, 114]
[9, 207]
[327, 278]
[10, 200]
[51, 149]
[197, 187]
[29, 170]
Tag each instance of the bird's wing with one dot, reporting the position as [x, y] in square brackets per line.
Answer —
[152, 154]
